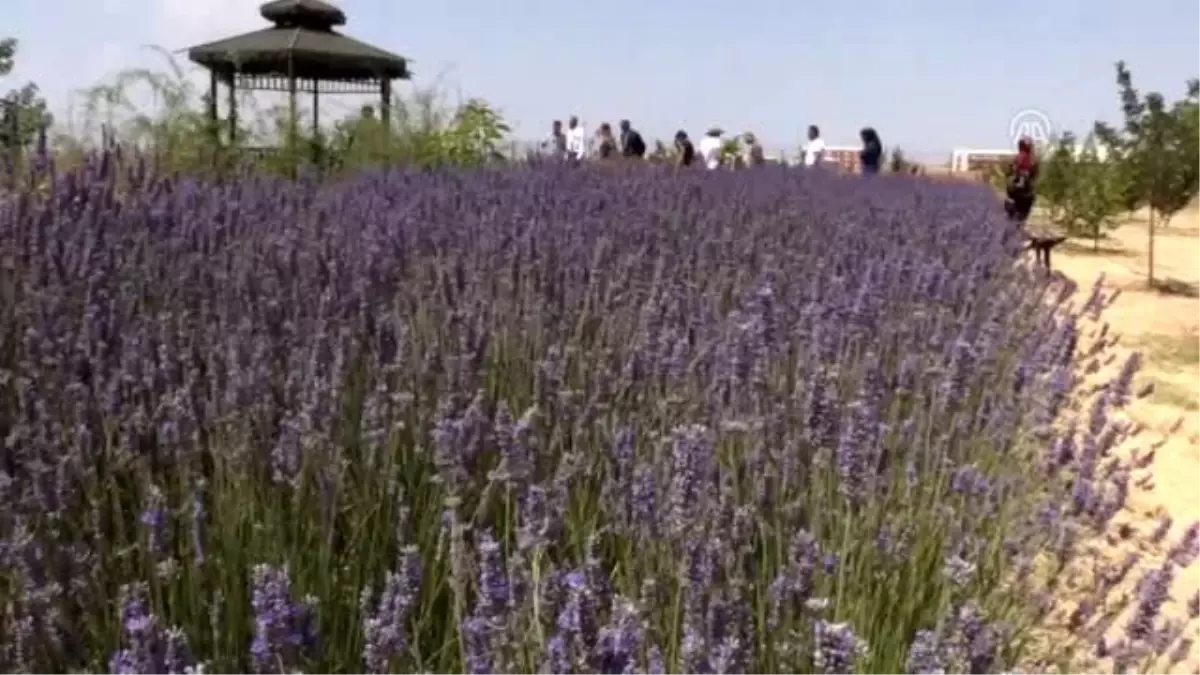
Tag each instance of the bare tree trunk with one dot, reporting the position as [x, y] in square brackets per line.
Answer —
[1150, 249]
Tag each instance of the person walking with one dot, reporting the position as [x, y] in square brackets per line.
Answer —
[814, 150]
[632, 144]
[607, 145]
[556, 144]
[1021, 176]
[576, 140]
[754, 151]
[872, 151]
[1020, 195]
[683, 145]
[710, 148]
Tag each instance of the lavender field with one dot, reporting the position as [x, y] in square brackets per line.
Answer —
[542, 419]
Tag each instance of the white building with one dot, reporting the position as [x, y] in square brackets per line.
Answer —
[976, 159]
[964, 160]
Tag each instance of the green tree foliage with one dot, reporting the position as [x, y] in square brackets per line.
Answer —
[1093, 194]
[732, 151]
[23, 112]
[8, 53]
[423, 133]
[175, 127]
[1157, 147]
[1080, 190]
[1055, 171]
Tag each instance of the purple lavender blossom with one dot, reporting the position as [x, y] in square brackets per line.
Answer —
[494, 592]
[1153, 592]
[716, 399]
[149, 648]
[155, 519]
[385, 629]
[284, 629]
[836, 647]
[924, 654]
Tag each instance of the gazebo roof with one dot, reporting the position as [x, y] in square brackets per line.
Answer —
[301, 43]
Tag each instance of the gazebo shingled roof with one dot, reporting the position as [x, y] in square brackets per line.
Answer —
[303, 50]
[302, 42]
[314, 56]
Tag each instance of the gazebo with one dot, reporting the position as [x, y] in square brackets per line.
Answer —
[301, 52]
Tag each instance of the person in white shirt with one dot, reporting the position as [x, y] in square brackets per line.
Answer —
[710, 148]
[814, 151]
[576, 139]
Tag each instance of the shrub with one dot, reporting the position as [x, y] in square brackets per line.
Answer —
[539, 418]
[175, 131]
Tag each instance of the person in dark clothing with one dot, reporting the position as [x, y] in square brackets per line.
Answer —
[556, 145]
[872, 151]
[687, 151]
[1021, 176]
[632, 145]
[1021, 193]
[608, 144]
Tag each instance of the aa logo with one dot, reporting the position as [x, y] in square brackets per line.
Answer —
[1033, 124]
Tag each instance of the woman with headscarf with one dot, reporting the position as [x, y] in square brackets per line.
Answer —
[687, 151]
[872, 151]
[608, 144]
[1021, 175]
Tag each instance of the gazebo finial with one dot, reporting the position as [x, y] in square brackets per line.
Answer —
[311, 14]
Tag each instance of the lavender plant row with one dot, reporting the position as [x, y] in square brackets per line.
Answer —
[542, 419]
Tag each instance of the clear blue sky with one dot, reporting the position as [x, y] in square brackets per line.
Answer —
[930, 76]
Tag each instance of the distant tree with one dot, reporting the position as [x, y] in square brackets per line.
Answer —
[1157, 149]
[23, 112]
[1093, 195]
[8, 52]
[897, 162]
[1054, 177]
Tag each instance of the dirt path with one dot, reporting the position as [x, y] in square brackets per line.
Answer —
[1165, 327]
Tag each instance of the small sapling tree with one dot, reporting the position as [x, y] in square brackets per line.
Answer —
[1054, 177]
[1093, 195]
[1157, 148]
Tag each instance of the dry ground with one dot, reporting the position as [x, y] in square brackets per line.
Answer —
[1165, 328]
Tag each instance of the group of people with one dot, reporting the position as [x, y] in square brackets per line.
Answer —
[572, 144]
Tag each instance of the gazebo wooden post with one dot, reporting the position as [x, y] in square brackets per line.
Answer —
[233, 117]
[385, 104]
[316, 123]
[293, 134]
[214, 129]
